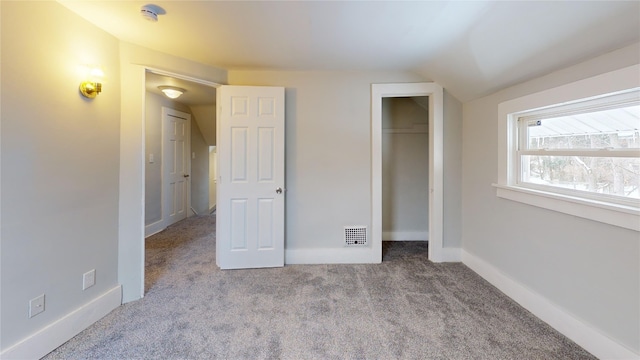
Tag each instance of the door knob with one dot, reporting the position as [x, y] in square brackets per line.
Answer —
[186, 175]
[279, 190]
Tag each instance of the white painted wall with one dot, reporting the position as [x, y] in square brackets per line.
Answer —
[60, 164]
[328, 171]
[205, 116]
[328, 130]
[199, 171]
[405, 170]
[589, 269]
[202, 167]
[452, 169]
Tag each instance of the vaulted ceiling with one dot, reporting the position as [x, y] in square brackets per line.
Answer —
[472, 48]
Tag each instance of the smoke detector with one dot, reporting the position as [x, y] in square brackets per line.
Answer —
[150, 12]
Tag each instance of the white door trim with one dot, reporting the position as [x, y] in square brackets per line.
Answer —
[436, 179]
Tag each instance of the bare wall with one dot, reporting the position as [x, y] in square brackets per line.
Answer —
[60, 164]
[328, 150]
[199, 170]
[206, 118]
[452, 169]
[589, 269]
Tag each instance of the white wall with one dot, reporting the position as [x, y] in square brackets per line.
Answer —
[199, 171]
[405, 170]
[589, 269]
[452, 169]
[328, 162]
[60, 163]
[328, 150]
[206, 118]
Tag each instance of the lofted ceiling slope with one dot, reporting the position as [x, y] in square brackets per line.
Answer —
[472, 48]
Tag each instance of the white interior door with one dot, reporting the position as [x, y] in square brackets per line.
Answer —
[176, 135]
[251, 194]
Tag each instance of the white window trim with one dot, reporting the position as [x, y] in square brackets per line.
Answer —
[507, 187]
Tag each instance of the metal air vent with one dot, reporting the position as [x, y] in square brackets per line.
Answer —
[355, 236]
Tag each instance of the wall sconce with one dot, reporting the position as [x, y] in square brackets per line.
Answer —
[172, 92]
[92, 86]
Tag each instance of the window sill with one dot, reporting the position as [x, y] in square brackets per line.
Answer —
[612, 214]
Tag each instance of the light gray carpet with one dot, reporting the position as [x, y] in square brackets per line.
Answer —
[404, 308]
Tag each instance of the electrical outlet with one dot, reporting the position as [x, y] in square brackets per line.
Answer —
[36, 306]
[88, 279]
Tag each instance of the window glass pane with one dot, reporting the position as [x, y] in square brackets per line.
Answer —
[617, 128]
[602, 175]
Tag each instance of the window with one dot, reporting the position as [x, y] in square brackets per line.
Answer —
[590, 149]
[576, 149]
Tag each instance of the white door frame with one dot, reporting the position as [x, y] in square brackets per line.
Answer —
[132, 188]
[436, 177]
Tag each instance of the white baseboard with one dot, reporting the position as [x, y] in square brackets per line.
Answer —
[354, 255]
[154, 228]
[57, 333]
[405, 236]
[575, 329]
[451, 254]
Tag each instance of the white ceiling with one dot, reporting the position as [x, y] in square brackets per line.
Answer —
[472, 48]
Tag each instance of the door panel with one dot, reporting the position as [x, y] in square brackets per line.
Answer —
[238, 224]
[250, 212]
[266, 154]
[265, 223]
[239, 154]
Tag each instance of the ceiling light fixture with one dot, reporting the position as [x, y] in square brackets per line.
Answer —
[172, 92]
